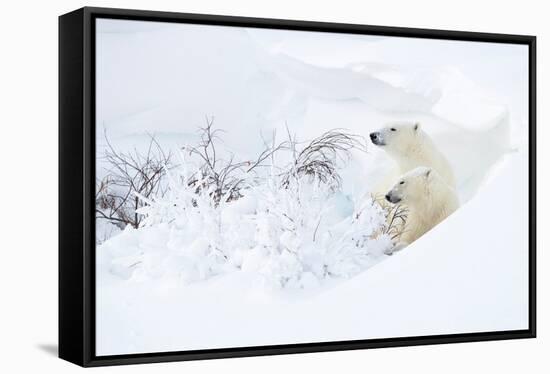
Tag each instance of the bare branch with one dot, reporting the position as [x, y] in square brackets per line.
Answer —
[127, 174]
[320, 158]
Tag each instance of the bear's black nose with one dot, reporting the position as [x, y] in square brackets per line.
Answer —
[388, 197]
[376, 138]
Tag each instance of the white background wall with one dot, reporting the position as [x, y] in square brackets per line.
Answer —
[28, 188]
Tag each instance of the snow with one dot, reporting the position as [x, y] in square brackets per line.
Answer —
[461, 277]
[181, 283]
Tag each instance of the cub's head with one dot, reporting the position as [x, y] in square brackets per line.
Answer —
[396, 136]
[412, 187]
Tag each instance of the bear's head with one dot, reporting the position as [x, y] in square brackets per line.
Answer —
[412, 187]
[397, 137]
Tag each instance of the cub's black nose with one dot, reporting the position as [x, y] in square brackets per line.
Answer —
[388, 197]
[373, 136]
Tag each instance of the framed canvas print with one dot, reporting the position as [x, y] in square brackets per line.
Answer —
[237, 186]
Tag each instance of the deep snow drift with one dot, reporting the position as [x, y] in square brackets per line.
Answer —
[461, 277]
[180, 282]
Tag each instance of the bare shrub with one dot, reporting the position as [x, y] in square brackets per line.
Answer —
[219, 176]
[396, 217]
[226, 177]
[130, 175]
[320, 158]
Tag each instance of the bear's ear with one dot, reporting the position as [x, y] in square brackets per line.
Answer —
[416, 126]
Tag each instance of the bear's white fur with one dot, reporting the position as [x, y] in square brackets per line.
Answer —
[410, 147]
[428, 198]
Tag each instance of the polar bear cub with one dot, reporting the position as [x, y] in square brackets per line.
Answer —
[428, 198]
[410, 147]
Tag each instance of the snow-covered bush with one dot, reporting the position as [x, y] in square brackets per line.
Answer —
[288, 220]
[194, 218]
[307, 232]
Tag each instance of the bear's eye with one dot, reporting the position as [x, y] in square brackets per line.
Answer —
[393, 129]
[402, 182]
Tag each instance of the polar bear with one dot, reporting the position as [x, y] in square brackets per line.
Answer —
[410, 147]
[428, 198]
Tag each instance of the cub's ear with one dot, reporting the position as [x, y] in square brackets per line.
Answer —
[416, 126]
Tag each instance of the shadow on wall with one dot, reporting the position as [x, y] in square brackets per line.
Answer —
[50, 349]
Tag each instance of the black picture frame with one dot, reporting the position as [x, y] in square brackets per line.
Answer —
[77, 185]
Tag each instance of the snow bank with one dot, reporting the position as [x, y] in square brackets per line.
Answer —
[462, 277]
